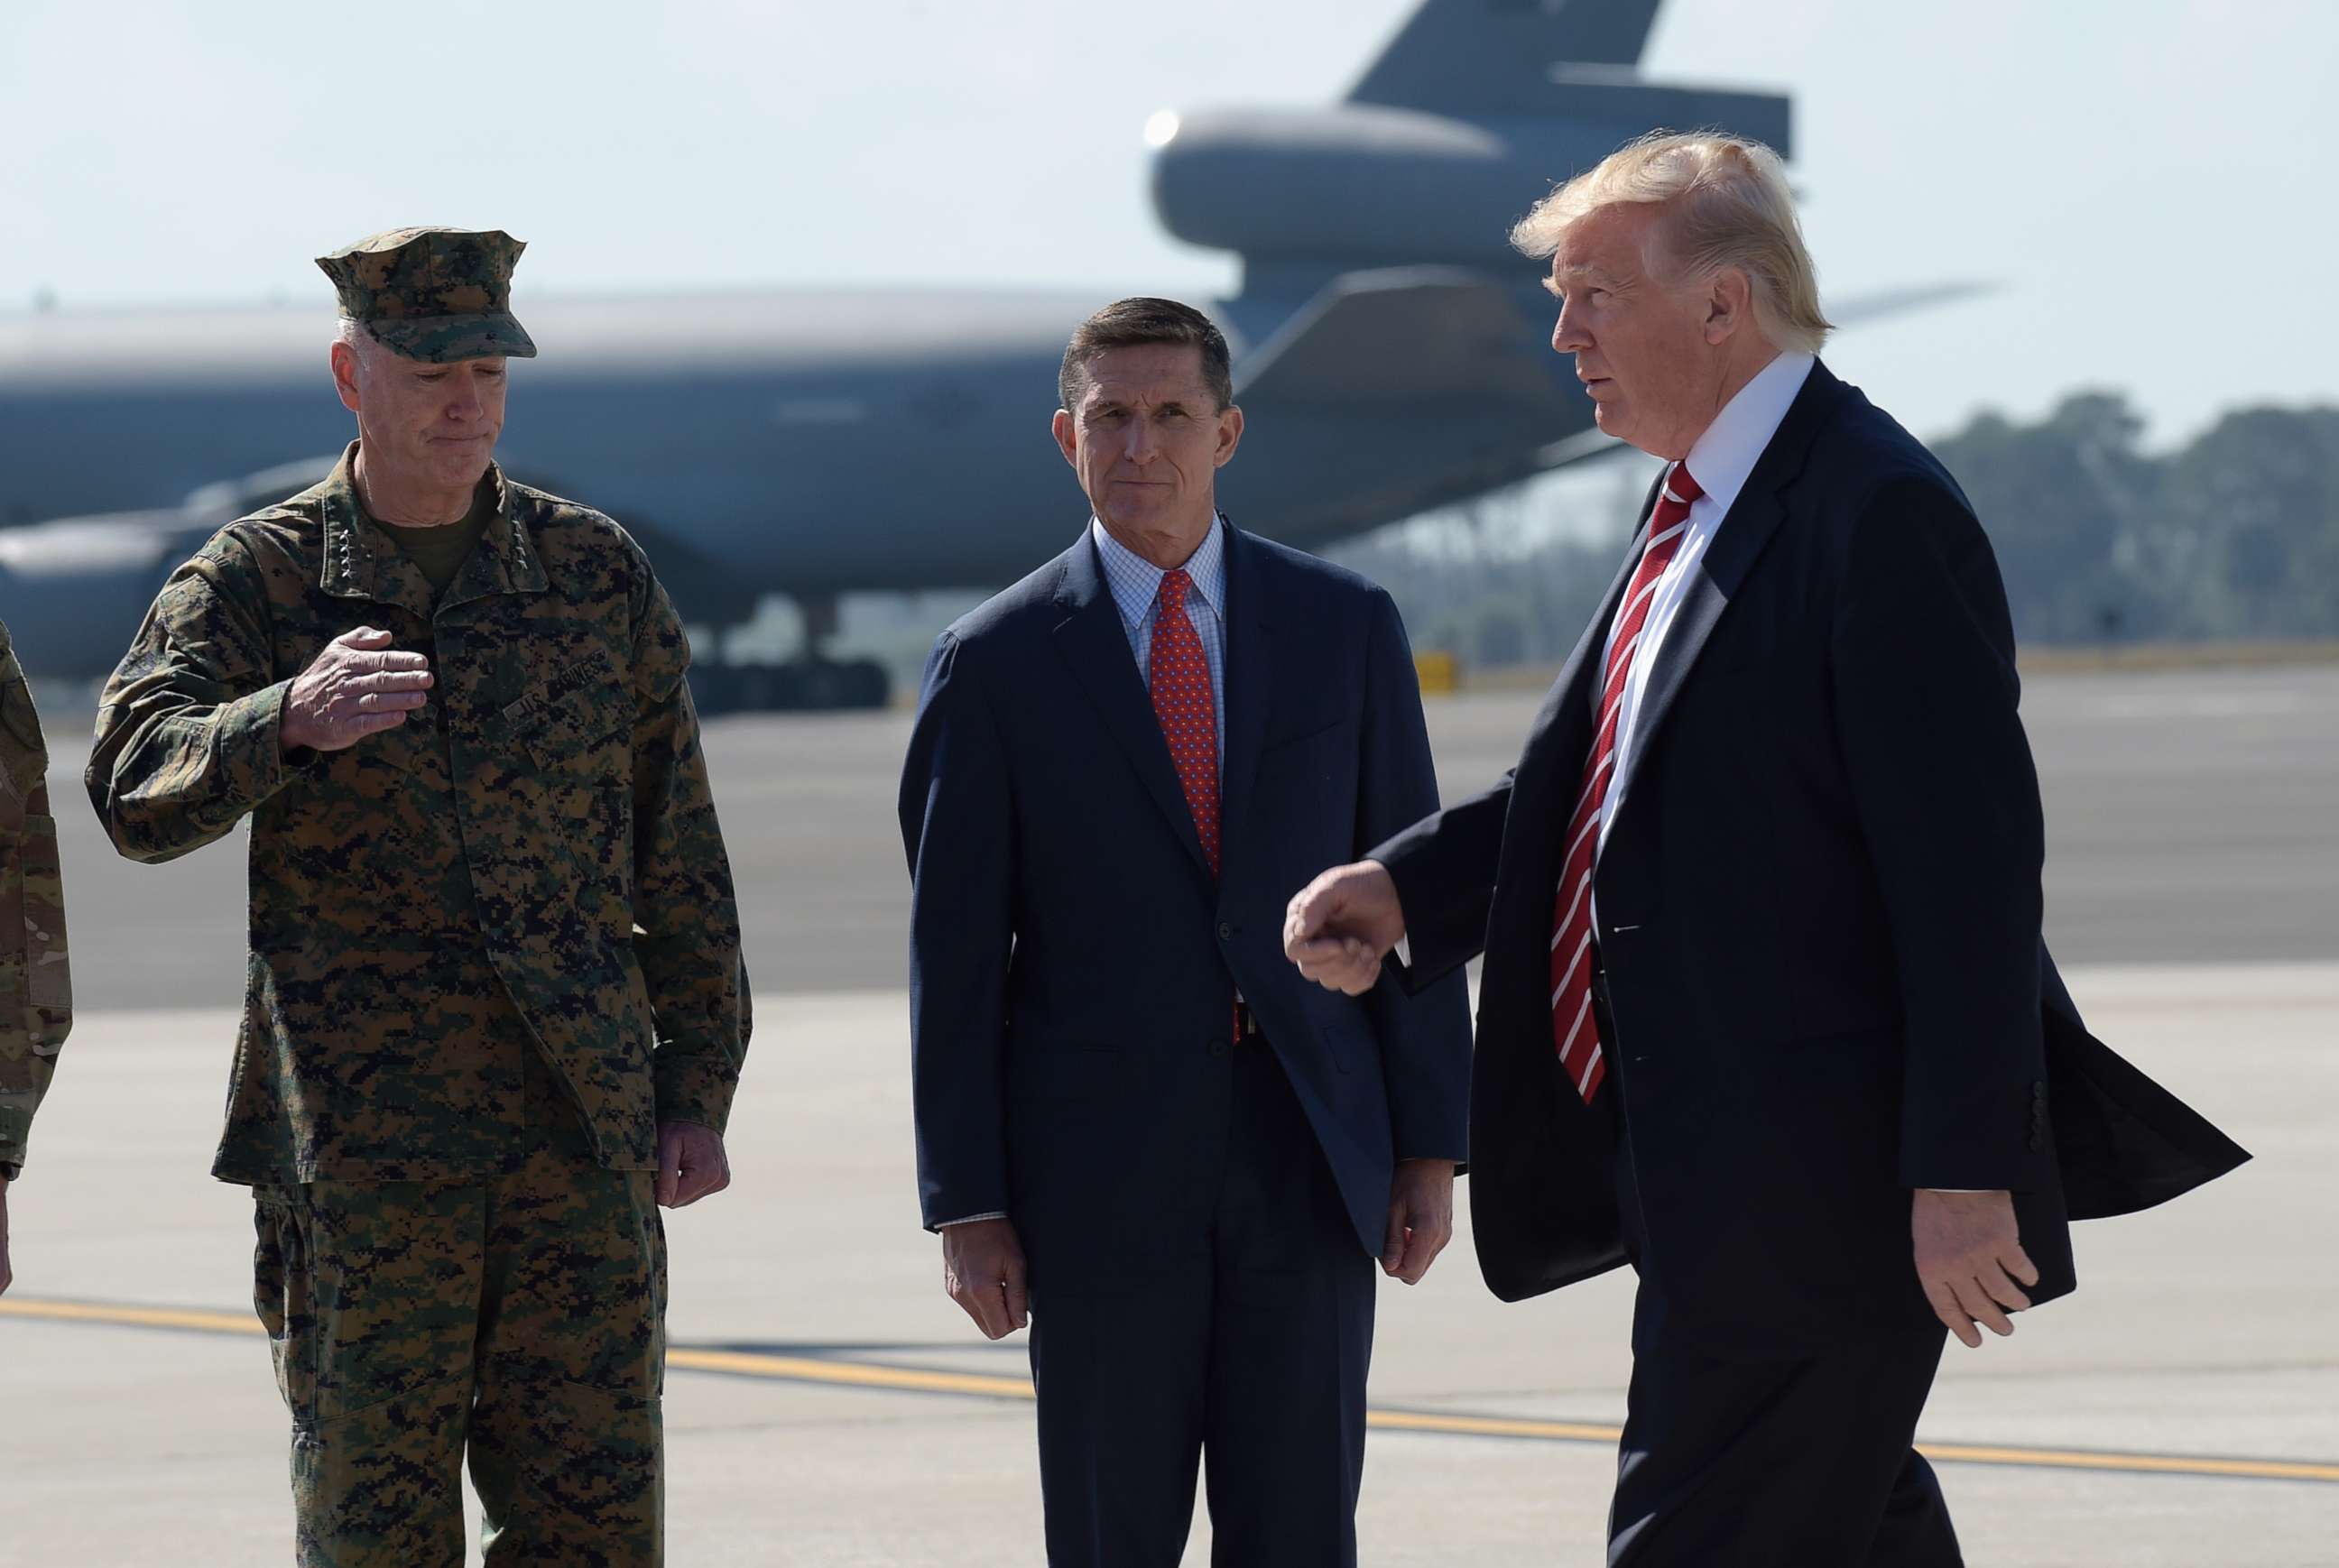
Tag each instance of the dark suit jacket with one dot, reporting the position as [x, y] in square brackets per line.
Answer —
[1073, 962]
[1818, 911]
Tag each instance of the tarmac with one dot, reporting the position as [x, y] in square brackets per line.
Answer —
[2191, 816]
[827, 1403]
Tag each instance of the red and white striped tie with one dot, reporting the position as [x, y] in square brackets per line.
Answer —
[1572, 1023]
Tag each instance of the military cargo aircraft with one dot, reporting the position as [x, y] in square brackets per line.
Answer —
[1390, 355]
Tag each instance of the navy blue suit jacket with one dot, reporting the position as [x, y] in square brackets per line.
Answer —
[1073, 962]
[1819, 908]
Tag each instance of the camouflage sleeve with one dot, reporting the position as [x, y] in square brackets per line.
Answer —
[35, 988]
[685, 916]
[188, 728]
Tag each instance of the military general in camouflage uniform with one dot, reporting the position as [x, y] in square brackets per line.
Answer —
[35, 990]
[495, 1010]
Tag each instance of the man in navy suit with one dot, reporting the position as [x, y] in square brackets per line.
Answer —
[1133, 1118]
[1766, 1007]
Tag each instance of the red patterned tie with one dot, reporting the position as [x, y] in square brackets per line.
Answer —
[1180, 678]
[1573, 1027]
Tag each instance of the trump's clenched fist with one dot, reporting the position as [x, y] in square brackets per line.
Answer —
[357, 685]
[1341, 926]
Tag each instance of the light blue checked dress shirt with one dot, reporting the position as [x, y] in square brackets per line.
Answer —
[1136, 585]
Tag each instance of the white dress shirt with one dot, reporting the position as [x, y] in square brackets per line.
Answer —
[1720, 462]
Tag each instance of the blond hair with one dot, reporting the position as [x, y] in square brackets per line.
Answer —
[1726, 204]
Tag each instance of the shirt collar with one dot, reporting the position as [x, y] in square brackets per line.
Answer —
[362, 561]
[1725, 456]
[1136, 582]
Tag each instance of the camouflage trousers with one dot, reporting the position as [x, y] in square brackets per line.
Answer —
[519, 1315]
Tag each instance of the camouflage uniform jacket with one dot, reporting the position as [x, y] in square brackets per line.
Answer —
[541, 835]
[35, 988]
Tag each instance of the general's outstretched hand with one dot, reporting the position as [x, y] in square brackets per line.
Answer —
[358, 685]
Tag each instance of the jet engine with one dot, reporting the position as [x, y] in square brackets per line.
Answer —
[1304, 194]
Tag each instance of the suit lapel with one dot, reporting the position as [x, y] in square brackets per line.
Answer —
[1093, 641]
[1249, 680]
[1716, 580]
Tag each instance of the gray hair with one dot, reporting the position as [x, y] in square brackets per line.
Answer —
[357, 335]
[1726, 204]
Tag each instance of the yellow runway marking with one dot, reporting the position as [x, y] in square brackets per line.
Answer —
[131, 1316]
[910, 1380]
[852, 1373]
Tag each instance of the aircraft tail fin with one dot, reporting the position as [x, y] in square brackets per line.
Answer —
[1496, 56]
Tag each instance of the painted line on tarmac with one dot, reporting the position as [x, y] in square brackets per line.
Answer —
[981, 1385]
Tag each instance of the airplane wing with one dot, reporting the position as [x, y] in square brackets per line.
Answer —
[1402, 337]
[74, 588]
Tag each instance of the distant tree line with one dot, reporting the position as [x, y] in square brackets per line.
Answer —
[2233, 537]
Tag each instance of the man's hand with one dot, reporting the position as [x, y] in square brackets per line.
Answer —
[1420, 1217]
[1341, 926]
[982, 1269]
[4, 1276]
[355, 687]
[1969, 1258]
[691, 1163]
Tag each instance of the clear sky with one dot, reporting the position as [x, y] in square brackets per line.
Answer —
[2148, 179]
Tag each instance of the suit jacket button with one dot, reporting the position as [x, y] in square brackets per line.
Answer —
[1226, 931]
[1219, 1047]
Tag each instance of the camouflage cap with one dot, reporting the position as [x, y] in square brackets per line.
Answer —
[435, 294]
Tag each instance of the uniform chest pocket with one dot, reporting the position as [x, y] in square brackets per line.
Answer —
[575, 717]
[588, 731]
